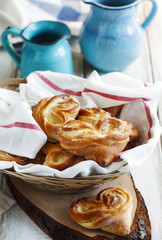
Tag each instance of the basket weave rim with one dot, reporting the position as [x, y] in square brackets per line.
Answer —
[12, 82]
[91, 177]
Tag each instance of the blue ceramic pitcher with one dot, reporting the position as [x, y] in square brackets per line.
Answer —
[45, 47]
[111, 37]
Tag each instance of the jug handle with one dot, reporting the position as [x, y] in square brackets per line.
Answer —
[151, 15]
[8, 46]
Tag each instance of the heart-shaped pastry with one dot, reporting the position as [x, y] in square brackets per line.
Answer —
[111, 211]
[95, 137]
[51, 113]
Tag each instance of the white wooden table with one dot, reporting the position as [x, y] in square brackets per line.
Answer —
[15, 224]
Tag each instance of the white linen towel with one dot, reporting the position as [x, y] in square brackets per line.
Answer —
[140, 107]
[19, 133]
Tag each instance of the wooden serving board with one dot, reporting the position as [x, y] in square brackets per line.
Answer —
[50, 211]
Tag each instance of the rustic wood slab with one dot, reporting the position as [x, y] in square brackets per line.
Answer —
[50, 211]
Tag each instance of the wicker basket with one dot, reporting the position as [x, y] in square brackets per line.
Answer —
[55, 184]
[63, 185]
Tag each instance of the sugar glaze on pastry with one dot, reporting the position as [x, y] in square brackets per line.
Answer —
[96, 135]
[51, 113]
[59, 158]
[111, 211]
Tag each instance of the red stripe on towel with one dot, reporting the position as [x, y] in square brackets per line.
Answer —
[79, 93]
[52, 85]
[114, 97]
[22, 125]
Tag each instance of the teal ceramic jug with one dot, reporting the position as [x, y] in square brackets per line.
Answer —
[111, 37]
[45, 47]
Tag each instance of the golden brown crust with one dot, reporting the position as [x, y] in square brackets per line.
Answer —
[92, 115]
[96, 135]
[111, 211]
[83, 139]
[76, 132]
[59, 158]
[37, 112]
[104, 123]
[48, 147]
[4, 156]
[104, 155]
[52, 113]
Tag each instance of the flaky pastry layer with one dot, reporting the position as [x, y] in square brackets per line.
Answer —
[96, 135]
[111, 211]
[59, 158]
[52, 113]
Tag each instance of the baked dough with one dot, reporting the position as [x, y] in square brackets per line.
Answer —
[51, 113]
[93, 115]
[97, 136]
[111, 211]
[59, 158]
[4, 156]
[98, 118]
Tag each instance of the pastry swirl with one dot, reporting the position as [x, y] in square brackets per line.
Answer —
[51, 113]
[111, 127]
[100, 142]
[111, 211]
[96, 135]
[93, 115]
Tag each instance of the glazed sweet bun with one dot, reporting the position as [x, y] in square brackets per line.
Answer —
[91, 133]
[111, 211]
[98, 118]
[100, 141]
[51, 113]
[58, 158]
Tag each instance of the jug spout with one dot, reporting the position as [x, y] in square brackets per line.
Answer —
[64, 31]
[45, 32]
